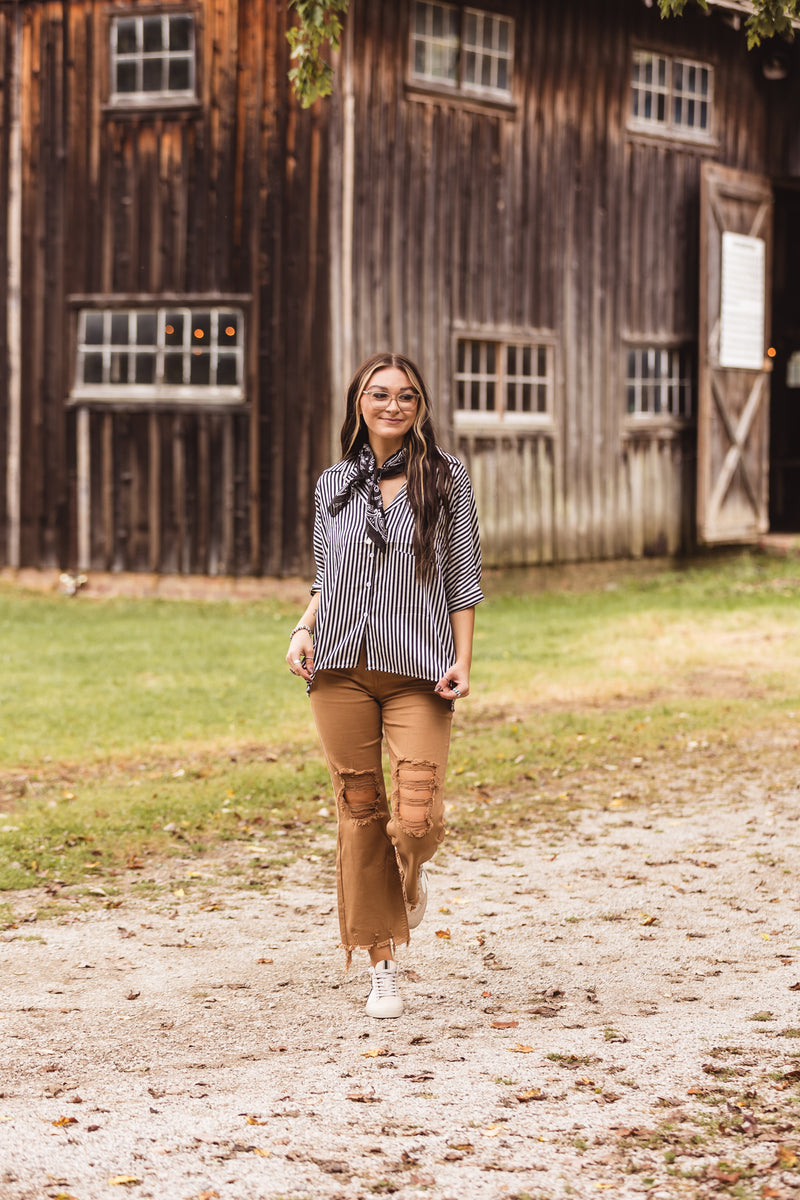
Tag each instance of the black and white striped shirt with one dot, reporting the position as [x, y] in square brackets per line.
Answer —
[374, 599]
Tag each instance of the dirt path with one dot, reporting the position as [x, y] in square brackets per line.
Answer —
[615, 1007]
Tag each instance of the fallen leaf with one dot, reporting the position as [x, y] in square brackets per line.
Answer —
[787, 1160]
[544, 1010]
[443, 933]
[264, 960]
[533, 1093]
[124, 1180]
[505, 1024]
[261, 1153]
[133, 995]
[364, 1097]
[378, 1052]
[795, 987]
[464, 1147]
[520, 1049]
[648, 920]
[66, 1121]
[255, 1121]
[724, 1176]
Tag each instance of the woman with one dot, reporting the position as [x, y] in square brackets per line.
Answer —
[392, 615]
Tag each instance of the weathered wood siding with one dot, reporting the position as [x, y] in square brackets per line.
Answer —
[227, 197]
[549, 217]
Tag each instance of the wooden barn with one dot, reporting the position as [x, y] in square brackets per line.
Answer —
[582, 221]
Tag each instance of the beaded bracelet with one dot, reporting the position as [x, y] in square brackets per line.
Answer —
[297, 629]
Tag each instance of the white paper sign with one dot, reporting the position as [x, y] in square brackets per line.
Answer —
[741, 342]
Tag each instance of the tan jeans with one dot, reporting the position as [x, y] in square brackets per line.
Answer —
[379, 852]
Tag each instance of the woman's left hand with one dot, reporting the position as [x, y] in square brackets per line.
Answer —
[454, 684]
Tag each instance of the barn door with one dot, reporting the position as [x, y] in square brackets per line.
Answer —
[733, 370]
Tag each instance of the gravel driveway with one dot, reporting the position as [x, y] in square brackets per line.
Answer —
[611, 1005]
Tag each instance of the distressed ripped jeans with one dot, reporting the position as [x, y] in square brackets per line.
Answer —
[379, 852]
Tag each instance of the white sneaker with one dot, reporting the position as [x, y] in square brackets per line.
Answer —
[384, 999]
[416, 913]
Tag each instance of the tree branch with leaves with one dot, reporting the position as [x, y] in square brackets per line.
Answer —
[318, 25]
[768, 19]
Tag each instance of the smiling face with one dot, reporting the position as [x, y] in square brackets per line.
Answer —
[389, 406]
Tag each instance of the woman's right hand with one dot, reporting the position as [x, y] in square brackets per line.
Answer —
[300, 655]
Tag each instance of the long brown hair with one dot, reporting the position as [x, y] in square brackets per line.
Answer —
[427, 470]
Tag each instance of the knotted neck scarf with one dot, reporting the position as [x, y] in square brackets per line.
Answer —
[370, 474]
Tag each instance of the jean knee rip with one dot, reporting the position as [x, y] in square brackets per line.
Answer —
[360, 796]
[415, 785]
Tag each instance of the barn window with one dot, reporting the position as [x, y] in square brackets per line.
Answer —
[152, 58]
[155, 355]
[659, 382]
[466, 49]
[671, 95]
[510, 382]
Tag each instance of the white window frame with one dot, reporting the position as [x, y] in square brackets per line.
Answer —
[659, 383]
[670, 85]
[454, 45]
[116, 349]
[498, 384]
[163, 95]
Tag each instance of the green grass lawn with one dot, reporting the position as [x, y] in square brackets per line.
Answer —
[138, 729]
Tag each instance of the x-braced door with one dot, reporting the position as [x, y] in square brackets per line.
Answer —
[733, 370]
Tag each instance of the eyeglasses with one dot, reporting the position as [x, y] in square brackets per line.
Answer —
[381, 398]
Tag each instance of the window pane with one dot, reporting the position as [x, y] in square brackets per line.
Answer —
[93, 329]
[490, 396]
[145, 368]
[126, 77]
[476, 357]
[201, 368]
[153, 75]
[470, 62]
[173, 329]
[173, 368]
[201, 329]
[490, 357]
[460, 401]
[119, 329]
[437, 19]
[119, 368]
[226, 370]
[228, 329]
[502, 75]
[153, 34]
[179, 75]
[146, 329]
[511, 360]
[180, 33]
[92, 368]
[126, 35]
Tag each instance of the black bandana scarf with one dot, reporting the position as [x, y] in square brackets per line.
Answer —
[370, 474]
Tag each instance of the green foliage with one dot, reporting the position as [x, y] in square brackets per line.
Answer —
[769, 18]
[318, 23]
